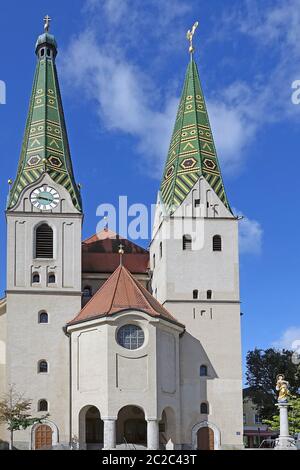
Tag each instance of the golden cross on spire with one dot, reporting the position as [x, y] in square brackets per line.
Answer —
[121, 253]
[47, 20]
[190, 35]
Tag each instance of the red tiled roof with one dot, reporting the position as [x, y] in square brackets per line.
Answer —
[121, 292]
[100, 253]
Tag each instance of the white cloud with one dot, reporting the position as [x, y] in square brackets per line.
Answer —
[123, 96]
[290, 339]
[250, 235]
[129, 100]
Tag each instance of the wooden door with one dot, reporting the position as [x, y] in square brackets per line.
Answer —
[43, 437]
[205, 437]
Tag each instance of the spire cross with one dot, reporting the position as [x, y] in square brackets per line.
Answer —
[47, 20]
[190, 35]
[121, 253]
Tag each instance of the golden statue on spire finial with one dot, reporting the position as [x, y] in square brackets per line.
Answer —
[189, 36]
[47, 20]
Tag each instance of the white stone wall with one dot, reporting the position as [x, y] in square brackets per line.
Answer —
[147, 377]
[28, 341]
[212, 333]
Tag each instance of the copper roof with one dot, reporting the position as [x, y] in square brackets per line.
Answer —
[100, 254]
[121, 292]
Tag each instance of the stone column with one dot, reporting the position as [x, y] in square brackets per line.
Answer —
[285, 441]
[109, 433]
[152, 434]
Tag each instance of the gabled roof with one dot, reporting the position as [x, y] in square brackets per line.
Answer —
[192, 152]
[121, 292]
[45, 147]
[100, 254]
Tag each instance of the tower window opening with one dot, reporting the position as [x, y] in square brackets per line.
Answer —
[87, 292]
[204, 408]
[43, 317]
[35, 278]
[187, 242]
[42, 405]
[195, 294]
[43, 367]
[197, 202]
[44, 241]
[217, 243]
[160, 250]
[42, 52]
[153, 261]
[203, 370]
[209, 295]
[51, 278]
[48, 52]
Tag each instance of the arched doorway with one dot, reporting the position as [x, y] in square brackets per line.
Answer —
[90, 428]
[205, 439]
[43, 437]
[167, 428]
[131, 426]
[210, 439]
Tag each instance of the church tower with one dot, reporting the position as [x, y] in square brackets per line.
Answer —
[44, 219]
[195, 265]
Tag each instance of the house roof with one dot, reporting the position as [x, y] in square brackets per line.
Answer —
[100, 254]
[122, 292]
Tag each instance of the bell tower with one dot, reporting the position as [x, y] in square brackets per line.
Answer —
[44, 219]
[195, 265]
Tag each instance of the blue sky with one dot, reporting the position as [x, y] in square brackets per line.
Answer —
[121, 67]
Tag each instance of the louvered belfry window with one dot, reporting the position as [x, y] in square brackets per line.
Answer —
[44, 241]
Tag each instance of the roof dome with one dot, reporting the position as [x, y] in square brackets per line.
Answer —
[46, 38]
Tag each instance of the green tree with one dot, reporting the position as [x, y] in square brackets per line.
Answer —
[15, 412]
[294, 418]
[262, 368]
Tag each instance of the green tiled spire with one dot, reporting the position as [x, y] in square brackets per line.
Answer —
[45, 144]
[192, 151]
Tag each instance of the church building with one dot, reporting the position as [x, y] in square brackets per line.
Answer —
[124, 347]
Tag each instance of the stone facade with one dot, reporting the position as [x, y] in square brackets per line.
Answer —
[182, 386]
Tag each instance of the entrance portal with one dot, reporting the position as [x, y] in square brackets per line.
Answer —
[43, 437]
[93, 428]
[205, 439]
[131, 426]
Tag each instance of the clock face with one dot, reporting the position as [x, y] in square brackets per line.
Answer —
[44, 198]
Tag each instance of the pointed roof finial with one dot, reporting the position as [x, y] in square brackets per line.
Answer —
[189, 36]
[47, 20]
[121, 253]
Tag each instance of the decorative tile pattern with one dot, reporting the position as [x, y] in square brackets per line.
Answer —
[192, 151]
[45, 144]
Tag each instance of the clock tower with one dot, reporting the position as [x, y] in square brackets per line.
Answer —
[44, 219]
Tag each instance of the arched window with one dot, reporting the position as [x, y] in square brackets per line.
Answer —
[204, 408]
[43, 317]
[43, 405]
[160, 250]
[187, 242]
[217, 243]
[87, 292]
[153, 261]
[35, 278]
[43, 367]
[195, 294]
[51, 278]
[203, 370]
[44, 241]
[209, 295]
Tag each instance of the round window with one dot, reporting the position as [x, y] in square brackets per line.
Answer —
[131, 337]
